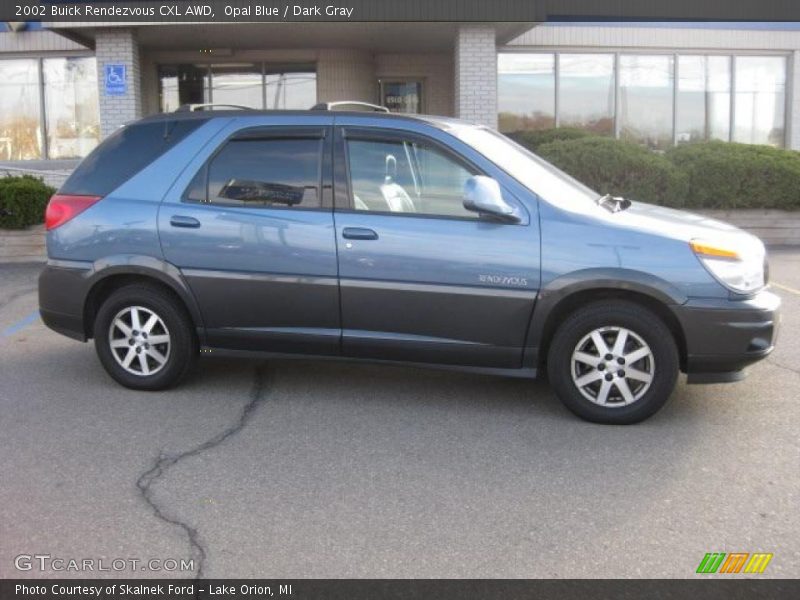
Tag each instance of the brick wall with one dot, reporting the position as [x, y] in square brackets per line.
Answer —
[476, 74]
[435, 71]
[345, 75]
[794, 94]
[118, 46]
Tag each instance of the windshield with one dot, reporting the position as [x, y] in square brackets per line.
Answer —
[539, 176]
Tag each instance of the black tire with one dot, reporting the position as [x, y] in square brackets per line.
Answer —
[613, 314]
[181, 351]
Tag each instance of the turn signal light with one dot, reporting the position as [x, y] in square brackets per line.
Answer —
[63, 208]
[706, 249]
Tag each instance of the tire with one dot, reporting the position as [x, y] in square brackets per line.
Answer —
[619, 386]
[160, 353]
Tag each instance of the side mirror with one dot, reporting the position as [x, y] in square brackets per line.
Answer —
[483, 195]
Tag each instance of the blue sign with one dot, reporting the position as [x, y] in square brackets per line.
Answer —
[116, 80]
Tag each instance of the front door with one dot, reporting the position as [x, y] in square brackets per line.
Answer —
[253, 237]
[422, 279]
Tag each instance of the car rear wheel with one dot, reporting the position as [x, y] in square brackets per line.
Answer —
[144, 338]
[613, 362]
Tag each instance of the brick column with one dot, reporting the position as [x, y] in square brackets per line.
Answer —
[118, 47]
[476, 74]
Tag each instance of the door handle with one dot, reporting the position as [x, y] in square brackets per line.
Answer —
[182, 221]
[359, 233]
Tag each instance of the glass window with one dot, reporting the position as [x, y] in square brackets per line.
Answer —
[406, 177]
[73, 120]
[263, 173]
[646, 99]
[183, 84]
[704, 98]
[760, 100]
[586, 92]
[526, 91]
[292, 90]
[237, 84]
[20, 110]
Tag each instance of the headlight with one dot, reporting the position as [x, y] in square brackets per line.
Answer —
[738, 266]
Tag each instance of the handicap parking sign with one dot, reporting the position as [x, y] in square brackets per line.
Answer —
[116, 81]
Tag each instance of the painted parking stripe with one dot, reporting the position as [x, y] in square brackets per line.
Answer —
[20, 325]
[786, 288]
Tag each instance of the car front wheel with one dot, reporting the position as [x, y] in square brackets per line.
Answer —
[613, 362]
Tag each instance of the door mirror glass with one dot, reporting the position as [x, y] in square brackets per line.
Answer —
[483, 195]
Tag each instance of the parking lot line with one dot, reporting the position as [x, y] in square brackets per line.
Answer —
[20, 325]
[786, 288]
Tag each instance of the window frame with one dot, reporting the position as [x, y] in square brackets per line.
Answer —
[321, 133]
[343, 184]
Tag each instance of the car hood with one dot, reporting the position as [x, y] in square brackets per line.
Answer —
[678, 224]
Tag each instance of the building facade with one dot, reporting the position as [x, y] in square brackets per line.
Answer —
[65, 86]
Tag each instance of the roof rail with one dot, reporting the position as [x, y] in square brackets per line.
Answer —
[332, 105]
[195, 107]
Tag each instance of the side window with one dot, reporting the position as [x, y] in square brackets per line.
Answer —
[262, 173]
[406, 177]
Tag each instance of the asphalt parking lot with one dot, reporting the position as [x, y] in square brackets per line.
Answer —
[319, 469]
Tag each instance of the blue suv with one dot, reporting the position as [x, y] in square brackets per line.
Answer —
[416, 240]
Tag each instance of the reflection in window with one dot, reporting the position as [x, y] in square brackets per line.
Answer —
[646, 98]
[183, 84]
[291, 90]
[526, 91]
[238, 84]
[760, 100]
[73, 122]
[264, 173]
[20, 110]
[704, 98]
[586, 92]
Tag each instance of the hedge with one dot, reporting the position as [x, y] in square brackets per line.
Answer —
[532, 140]
[619, 168]
[23, 201]
[696, 176]
[723, 175]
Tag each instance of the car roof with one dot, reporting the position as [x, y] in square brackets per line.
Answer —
[208, 115]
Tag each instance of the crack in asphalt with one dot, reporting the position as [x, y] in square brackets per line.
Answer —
[785, 367]
[166, 461]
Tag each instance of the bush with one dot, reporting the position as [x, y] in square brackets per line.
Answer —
[724, 175]
[532, 140]
[25, 198]
[619, 168]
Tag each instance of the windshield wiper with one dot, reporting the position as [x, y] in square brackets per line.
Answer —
[613, 203]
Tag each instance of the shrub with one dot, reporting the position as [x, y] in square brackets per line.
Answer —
[619, 168]
[724, 175]
[25, 199]
[532, 140]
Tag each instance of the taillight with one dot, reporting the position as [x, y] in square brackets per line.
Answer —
[64, 207]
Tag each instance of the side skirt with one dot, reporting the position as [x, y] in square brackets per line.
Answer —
[523, 373]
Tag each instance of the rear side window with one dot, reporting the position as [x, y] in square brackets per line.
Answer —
[261, 173]
[124, 153]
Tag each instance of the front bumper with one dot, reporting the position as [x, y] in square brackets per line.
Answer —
[725, 336]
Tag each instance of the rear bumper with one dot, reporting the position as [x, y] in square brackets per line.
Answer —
[725, 336]
[63, 287]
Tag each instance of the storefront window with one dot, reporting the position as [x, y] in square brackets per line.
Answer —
[238, 84]
[760, 100]
[645, 99]
[291, 90]
[704, 98]
[20, 110]
[183, 84]
[73, 123]
[586, 92]
[526, 91]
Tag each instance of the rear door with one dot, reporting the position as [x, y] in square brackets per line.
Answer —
[251, 229]
[422, 279]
